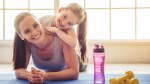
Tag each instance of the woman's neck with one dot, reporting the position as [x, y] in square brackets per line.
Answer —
[47, 41]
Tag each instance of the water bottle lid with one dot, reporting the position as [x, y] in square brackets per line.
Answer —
[97, 49]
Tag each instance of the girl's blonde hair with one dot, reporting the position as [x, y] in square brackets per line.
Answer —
[81, 28]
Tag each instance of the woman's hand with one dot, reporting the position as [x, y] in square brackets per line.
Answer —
[36, 76]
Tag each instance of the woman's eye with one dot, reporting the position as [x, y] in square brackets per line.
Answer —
[27, 31]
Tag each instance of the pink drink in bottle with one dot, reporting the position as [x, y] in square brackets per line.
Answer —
[99, 60]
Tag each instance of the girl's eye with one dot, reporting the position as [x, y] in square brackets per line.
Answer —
[65, 16]
[35, 26]
[70, 24]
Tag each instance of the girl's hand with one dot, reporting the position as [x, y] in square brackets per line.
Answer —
[36, 76]
[51, 29]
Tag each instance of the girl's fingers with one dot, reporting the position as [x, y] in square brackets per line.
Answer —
[49, 33]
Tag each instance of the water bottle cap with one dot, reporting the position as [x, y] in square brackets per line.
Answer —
[97, 49]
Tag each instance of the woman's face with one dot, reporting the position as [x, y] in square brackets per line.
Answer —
[65, 19]
[31, 30]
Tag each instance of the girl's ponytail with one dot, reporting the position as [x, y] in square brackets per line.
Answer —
[82, 33]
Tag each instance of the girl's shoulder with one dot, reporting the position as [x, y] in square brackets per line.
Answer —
[46, 20]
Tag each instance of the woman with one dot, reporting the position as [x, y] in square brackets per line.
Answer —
[54, 59]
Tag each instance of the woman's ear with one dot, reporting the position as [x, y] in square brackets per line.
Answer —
[21, 36]
[61, 9]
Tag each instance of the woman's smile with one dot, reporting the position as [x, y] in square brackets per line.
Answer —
[37, 36]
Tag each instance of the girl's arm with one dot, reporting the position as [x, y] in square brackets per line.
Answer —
[72, 70]
[68, 37]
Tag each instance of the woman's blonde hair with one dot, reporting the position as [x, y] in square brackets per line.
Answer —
[81, 28]
[19, 18]
[20, 46]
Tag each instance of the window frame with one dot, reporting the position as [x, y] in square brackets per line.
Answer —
[56, 8]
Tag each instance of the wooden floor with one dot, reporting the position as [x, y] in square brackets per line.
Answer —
[109, 68]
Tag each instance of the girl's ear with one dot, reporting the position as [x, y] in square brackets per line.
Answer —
[61, 9]
[21, 36]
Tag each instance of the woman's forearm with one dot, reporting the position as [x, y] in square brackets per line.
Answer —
[66, 74]
[21, 73]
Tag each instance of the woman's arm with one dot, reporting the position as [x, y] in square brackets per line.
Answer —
[72, 70]
[22, 73]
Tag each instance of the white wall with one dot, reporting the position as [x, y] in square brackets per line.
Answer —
[116, 52]
[6, 52]
[125, 52]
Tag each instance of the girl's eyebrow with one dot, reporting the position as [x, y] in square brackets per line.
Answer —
[34, 24]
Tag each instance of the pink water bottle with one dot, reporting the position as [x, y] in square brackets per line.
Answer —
[99, 61]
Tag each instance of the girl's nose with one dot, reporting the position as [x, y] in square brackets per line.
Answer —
[62, 24]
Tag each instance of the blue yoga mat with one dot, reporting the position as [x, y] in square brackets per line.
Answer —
[83, 79]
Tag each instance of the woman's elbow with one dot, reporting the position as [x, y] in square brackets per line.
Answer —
[17, 74]
[21, 73]
[75, 75]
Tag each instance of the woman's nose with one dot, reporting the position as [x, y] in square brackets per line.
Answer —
[34, 33]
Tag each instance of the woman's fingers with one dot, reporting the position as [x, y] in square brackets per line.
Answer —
[36, 75]
[34, 78]
[33, 70]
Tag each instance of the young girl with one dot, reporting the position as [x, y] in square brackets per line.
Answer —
[62, 25]
[50, 55]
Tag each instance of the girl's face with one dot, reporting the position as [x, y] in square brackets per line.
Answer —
[31, 30]
[65, 19]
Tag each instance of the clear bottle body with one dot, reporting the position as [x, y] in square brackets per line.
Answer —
[99, 60]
